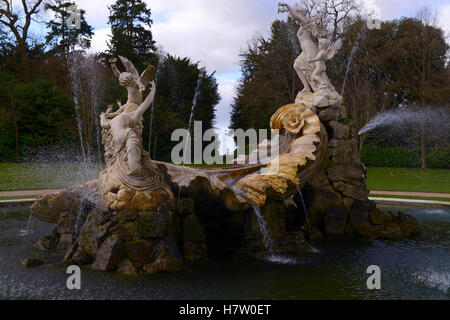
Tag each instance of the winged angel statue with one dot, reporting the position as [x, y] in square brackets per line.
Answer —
[127, 163]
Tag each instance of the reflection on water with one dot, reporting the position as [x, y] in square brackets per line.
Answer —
[410, 269]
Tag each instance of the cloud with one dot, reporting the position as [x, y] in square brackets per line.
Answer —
[227, 89]
[213, 32]
[99, 39]
[444, 18]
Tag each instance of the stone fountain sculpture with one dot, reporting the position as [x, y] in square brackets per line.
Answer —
[310, 64]
[129, 221]
[131, 180]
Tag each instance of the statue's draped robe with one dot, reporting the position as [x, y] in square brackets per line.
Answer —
[118, 173]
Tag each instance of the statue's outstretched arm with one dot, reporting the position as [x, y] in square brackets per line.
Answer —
[104, 121]
[114, 67]
[144, 106]
[291, 11]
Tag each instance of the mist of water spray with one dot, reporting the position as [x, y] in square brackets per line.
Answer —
[194, 105]
[404, 118]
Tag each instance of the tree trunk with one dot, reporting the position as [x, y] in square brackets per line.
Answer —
[24, 60]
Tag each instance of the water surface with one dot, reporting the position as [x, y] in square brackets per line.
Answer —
[410, 269]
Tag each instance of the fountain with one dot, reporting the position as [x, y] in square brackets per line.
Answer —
[129, 221]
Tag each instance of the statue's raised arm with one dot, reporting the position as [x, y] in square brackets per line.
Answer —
[295, 13]
[114, 67]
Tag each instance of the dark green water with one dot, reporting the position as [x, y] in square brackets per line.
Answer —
[411, 269]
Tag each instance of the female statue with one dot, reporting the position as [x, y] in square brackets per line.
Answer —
[128, 164]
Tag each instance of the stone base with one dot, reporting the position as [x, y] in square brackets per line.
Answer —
[127, 198]
[319, 99]
[337, 197]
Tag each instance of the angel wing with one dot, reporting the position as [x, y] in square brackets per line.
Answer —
[129, 66]
[148, 75]
[333, 48]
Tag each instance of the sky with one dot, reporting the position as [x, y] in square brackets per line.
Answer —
[214, 32]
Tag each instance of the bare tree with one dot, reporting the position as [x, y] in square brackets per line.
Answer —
[19, 23]
[333, 13]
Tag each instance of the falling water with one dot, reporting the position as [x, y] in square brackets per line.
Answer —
[194, 105]
[352, 53]
[151, 122]
[97, 122]
[350, 60]
[29, 229]
[306, 212]
[80, 129]
[268, 242]
[75, 84]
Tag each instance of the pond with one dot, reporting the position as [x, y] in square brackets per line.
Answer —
[410, 269]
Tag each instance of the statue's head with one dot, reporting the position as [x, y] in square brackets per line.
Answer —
[126, 79]
[301, 11]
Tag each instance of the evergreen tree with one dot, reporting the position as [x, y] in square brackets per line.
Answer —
[176, 80]
[131, 35]
[61, 38]
[269, 80]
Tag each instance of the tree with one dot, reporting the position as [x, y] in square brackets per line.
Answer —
[62, 39]
[403, 64]
[20, 27]
[34, 114]
[131, 35]
[268, 80]
[176, 81]
[335, 14]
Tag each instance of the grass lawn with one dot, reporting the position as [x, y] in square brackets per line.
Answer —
[15, 176]
[18, 197]
[408, 179]
[29, 176]
[33, 176]
[408, 197]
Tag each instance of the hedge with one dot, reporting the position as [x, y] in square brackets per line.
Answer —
[375, 156]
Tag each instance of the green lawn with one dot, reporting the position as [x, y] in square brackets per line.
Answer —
[408, 179]
[29, 176]
[409, 197]
[24, 176]
[15, 176]
[18, 197]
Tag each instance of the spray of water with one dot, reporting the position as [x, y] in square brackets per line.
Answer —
[404, 118]
[350, 60]
[306, 212]
[151, 123]
[86, 84]
[194, 105]
[29, 228]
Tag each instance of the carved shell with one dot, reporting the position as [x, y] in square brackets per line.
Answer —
[295, 117]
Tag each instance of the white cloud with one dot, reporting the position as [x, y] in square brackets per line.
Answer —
[444, 18]
[99, 39]
[212, 32]
[227, 89]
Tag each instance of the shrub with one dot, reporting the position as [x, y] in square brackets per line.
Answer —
[376, 156]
